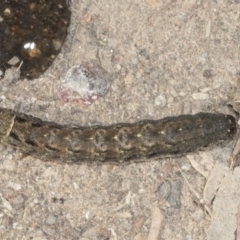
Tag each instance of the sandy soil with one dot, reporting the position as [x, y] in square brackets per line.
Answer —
[165, 58]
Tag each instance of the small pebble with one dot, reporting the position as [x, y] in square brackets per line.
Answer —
[200, 96]
[51, 219]
[9, 165]
[161, 100]
[48, 230]
[84, 83]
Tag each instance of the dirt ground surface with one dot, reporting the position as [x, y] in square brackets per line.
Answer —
[165, 58]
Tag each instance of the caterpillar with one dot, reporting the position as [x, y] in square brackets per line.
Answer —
[115, 143]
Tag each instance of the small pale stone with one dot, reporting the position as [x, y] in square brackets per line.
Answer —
[75, 185]
[48, 230]
[200, 96]
[17, 225]
[161, 100]
[207, 89]
[6, 204]
[15, 186]
[13, 61]
[83, 84]
[170, 99]
[152, 3]
[134, 60]
[182, 94]
[138, 75]
[51, 219]
[9, 165]
[186, 167]
[128, 80]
